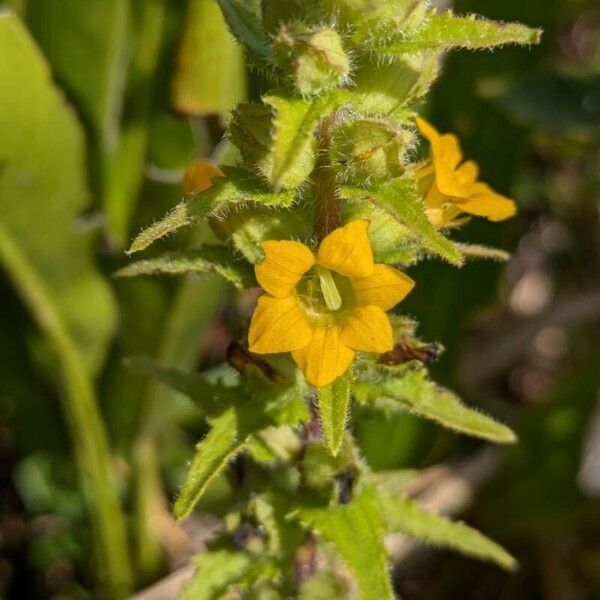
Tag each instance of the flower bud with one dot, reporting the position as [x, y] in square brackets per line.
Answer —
[315, 59]
[370, 149]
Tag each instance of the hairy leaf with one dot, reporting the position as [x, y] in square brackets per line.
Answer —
[356, 530]
[218, 571]
[228, 433]
[294, 144]
[208, 259]
[238, 187]
[446, 30]
[246, 27]
[415, 392]
[234, 415]
[474, 251]
[400, 200]
[334, 402]
[406, 516]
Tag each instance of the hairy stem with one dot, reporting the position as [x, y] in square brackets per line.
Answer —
[89, 437]
[325, 185]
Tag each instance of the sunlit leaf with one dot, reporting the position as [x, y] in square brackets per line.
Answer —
[446, 30]
[415, 392]
[210, 72]
[294, 145]
[400, 200]
[220, 571]
[208, 259]
[406, 516]
[334, 402]
[356, 530]
[238, 187]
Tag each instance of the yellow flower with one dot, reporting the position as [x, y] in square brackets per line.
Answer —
[449, 185]
[323, 306]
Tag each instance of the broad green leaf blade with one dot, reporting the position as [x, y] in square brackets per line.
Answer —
[415, 392]
[50, 263]
[238, 187]
[246, 27]
[208, 259]
[218, 571]
[400, 199]
[210, 74]
[294, 145]
[43, 191]
[356, 530]
[75, 35]
[474, 251]
[445, 30]
[406, 516]
[334, 401]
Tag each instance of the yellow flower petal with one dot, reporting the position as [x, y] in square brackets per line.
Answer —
[199, 175]
[347, 250]
[483, 201]
[468, 172]
[385, 287]
[446, 155]
[278, 325]
[368, 328]
[427, 130]
[325, 358]
[283, 266]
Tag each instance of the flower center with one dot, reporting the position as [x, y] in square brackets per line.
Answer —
[325, 296]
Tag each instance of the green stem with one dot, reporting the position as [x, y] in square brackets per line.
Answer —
[325, 184]
[89, 437]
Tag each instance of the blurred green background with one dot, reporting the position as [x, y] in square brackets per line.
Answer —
[103, 103]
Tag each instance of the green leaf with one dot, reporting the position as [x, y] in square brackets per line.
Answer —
[334, 401]
[75, 35]
[248, 226]
[238, 187]
[43, 191]
[387, 87]
[210, 73]
[415, 392]
[356, 530]
[50, 262]
[208, 259]
[400, 199]
[228, 433]
[246, 27]
[446, 30]
[294, 145]
[218, 571]
[234, 413]
[406, 516]
[474, 251]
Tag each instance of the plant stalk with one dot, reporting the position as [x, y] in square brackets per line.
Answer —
[325, 184]
[85, 423]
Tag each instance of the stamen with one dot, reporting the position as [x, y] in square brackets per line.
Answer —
[330, 292]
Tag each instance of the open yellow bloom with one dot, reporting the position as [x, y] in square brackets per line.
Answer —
[449, 185]
[323, 306]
